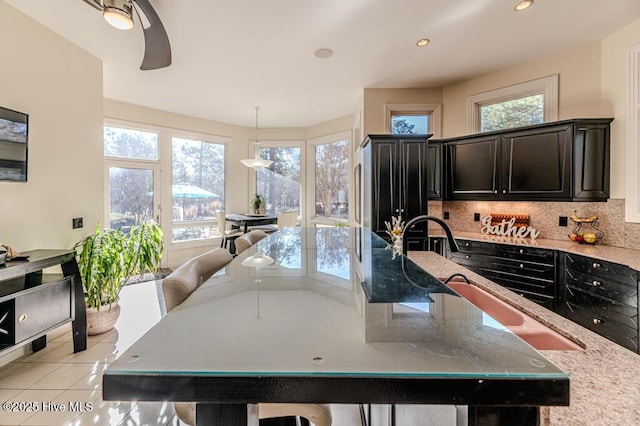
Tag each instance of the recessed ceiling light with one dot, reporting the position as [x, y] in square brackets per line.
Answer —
[524, 4]
[423, 42]
[323, 53]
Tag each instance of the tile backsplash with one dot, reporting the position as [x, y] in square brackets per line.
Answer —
[544, 216]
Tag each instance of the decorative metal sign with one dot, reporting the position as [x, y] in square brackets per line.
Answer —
[507, 228]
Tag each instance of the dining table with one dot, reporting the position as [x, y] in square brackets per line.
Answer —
[333, 315]
[244, 221]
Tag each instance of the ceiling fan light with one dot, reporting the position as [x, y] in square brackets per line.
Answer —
[256, 163]
[118, 13]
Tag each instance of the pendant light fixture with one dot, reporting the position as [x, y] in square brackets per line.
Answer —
[256, 162]
[118, 13]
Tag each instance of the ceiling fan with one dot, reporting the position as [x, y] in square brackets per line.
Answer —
[119, 13]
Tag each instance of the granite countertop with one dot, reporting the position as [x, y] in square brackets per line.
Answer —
[604, 377]
[619, 255]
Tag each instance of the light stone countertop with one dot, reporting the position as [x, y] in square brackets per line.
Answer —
[604, 377]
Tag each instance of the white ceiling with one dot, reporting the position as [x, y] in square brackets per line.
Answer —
[231, 55]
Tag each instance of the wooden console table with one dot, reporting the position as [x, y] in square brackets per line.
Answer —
[32, 304]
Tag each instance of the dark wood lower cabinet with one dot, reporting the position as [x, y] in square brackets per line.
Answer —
[599, 295]
[528, 271]
[603, 297]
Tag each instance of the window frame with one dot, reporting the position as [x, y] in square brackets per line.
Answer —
[165, 175]
[253, 176]
[433, 111]
[311, 219]
[546, 86]
[632, 202]
[199, 137]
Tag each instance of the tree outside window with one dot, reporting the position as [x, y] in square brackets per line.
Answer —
[409, 124]
[332, 180]
[279, 183]
[197, 187]
[519, 112]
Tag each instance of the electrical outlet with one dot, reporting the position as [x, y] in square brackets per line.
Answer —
[476, 217]
[563, 221]
[446, 215]
[76, 223]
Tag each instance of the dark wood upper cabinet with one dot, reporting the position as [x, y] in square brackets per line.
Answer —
[435, 185]
[395, 182]
[564, 160]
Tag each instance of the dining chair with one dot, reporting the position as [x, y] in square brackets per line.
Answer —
[287, 219]
[186, 279]
[249, 239]
[227, 235]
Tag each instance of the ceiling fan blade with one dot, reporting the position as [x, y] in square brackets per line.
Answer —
[96, 4]
[157, 50]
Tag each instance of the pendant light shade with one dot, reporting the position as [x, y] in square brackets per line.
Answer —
[118, 13]
[256, 162]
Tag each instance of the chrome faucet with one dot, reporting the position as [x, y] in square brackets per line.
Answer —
[453, 246]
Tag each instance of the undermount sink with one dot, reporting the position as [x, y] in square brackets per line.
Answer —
[528, 329]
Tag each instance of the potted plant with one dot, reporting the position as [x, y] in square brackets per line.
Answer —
[258, 205]
[107, 259]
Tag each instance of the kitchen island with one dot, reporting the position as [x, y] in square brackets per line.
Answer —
[605, 377]
[338, 317]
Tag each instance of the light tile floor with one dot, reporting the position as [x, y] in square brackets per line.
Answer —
[56, 378]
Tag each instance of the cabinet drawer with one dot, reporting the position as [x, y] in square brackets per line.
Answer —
[468, 246]
[612, 330]
[603, 287]
[35, 311]
[603, 310]
[602, 269]
[507, 251]
[527, 270]
[517, 283]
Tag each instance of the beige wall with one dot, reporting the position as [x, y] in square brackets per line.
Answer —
[579, 86]
[592, 83]
[60, 87]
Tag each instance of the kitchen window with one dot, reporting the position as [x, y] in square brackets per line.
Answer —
[403, 119]
[524, 104]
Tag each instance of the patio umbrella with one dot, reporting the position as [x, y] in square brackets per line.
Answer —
[191, 192]
[186, 190]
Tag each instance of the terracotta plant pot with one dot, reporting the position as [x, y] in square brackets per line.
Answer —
[99, 322]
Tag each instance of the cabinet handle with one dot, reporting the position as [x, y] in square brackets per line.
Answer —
[22, 318]
[504, 191]
[437, 192]
[397, 210]
[521, 251]
[467, 244]
[495, 192]
[596, 265]
[597, 321]
[596, 283]
[521, 266]
[467, 257]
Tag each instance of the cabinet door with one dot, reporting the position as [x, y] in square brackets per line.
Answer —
[536, 164]
[413, 185]
[385, 176]
[434, 171]
[591, 170]
[473, 172]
